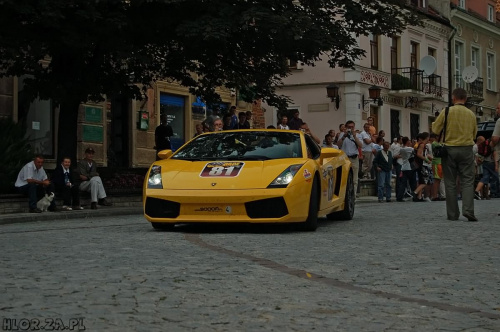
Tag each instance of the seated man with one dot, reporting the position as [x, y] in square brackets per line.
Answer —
[66, 185]
[91, 181]
[32, 181]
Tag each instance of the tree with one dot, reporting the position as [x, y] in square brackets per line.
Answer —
[80, 50]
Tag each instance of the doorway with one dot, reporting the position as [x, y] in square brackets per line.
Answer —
[118, 128]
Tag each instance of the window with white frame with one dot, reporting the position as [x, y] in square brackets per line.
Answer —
[459, 49]
[475, 58]
[490, 71]
[491, 13]
[461, 4]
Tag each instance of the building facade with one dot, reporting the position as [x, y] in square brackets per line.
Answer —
[476, 51]
[120, 130]
[411, 70]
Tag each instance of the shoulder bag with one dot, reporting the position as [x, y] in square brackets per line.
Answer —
[439, 151]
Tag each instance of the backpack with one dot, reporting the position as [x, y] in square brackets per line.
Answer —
[484, 149]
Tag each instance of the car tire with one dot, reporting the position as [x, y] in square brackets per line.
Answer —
[311, 223]
[350, 196]
[161, 226]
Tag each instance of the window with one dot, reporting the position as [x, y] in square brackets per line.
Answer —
[490, 71]
[413, 54]
[394, 52]
[431, 51]
[474, 58]
[374, 51]
[491, 13]
[459, 47]
[461, 4]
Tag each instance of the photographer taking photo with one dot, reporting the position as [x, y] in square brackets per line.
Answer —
[349, 142]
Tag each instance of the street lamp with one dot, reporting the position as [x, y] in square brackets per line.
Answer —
[374, 92]
[332, 91]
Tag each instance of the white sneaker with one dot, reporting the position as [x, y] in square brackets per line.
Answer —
[427, 199]
[66, 208]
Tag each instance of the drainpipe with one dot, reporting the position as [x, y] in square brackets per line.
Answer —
[450, 79]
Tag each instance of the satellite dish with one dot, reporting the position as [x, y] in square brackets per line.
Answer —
[469, 74]
[428, 64]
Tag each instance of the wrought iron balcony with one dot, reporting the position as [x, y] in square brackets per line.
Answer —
[432, 87]
[407, 81]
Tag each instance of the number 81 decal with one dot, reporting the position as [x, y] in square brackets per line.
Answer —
[222, 169]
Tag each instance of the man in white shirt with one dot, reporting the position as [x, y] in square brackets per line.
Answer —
[32, 181]
[349, 142]
[367, 150]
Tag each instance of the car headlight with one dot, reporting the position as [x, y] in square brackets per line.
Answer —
[154, 180]
[285, 177]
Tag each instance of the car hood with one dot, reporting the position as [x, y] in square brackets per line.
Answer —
[181, 174]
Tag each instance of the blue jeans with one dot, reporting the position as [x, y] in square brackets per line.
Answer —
[384, 184]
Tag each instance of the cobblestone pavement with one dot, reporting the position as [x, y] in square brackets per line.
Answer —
[395, 267]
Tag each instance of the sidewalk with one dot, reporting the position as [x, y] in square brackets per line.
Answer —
[102, 211]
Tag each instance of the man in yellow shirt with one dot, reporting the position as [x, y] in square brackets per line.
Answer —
[461, 130]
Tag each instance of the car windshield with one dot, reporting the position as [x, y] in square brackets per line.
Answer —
[242, 145]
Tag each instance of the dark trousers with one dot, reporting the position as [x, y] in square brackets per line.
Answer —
[69, 194]
[35, 192]
[405, 178]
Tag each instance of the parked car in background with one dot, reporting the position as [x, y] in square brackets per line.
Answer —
[485, 129]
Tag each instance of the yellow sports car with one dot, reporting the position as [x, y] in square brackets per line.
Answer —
[249, 176]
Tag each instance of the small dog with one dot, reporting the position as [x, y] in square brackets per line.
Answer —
[44, 203]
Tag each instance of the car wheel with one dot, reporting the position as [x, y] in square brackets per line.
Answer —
[161, 226]
[311, 223]
[348, 212]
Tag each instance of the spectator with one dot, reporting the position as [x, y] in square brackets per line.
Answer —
[461, 130]
[91, 181]
[489, 163]
[396, 160]
[32, 181]
[383, 165]
[421, 170]
[495, 138]
[437, 171]
[242, 121]
[305, 128]
[217, 124]
[329, 142]
[367, 150]
[66, 184]
[295, 122]
[407, 176]
[162, 135]
[234, 118]
[249, 119]
[382, 134]
[226, 122]
[372, 130]
[283, 123]
[349, 143]
[199, 129]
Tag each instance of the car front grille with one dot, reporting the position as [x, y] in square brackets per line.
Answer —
[160, 208]
[267, 208]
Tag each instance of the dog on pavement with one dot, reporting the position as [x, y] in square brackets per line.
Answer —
[44, 203]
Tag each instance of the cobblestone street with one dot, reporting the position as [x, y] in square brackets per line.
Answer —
[396, 266]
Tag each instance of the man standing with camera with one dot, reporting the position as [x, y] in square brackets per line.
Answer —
[349, 142]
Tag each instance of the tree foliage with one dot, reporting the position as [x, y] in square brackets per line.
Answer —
[79, 50]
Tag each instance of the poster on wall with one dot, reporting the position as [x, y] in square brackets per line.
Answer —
[173, 106]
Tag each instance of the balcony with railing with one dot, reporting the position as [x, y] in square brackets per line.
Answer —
[407, 81]
[432, 87]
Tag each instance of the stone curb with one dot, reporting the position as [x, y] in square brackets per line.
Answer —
[84, 214]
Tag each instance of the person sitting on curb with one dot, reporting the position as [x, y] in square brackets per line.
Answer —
[91, 181]
[66, 185]
[32, 181]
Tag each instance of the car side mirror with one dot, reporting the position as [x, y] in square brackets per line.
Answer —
[329, 153]
[164, 154]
